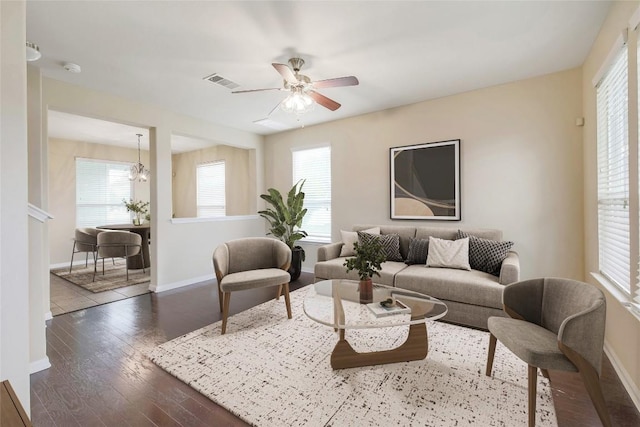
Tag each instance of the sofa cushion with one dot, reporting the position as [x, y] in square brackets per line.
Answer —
[486, 255]
[418, 251]
[350, 237]
[390, 243]
[335, 269]
[406, 233]
[448, 253]
[470, 287]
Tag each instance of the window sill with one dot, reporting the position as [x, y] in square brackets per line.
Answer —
[213, 219]
[621, 296]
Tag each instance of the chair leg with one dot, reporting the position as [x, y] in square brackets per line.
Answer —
[225, 311]
[73, 251]
[490, 354]
[592, 384]
[86, 259]
[533, 382]
[95, 268]
[279, 292]
[545, 373]
[287, 301]
[220, 295]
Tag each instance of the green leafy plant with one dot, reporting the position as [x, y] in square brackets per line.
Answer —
[285, 218]
[138, 207]
[369, 257]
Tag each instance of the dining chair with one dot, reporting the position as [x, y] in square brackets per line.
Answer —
[117, 244]
[554, 324]
[85, 241]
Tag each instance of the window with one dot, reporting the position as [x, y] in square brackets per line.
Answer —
[613, 173]
[211, 190]
[100, 187]
[314, 166]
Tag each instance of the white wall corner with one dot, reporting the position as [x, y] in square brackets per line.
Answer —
[627, 382]
[39, 365]
[181, 283]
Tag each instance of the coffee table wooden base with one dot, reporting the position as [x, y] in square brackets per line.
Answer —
[415, 347]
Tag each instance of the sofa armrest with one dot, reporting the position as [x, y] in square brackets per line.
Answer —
[510, 270]
[330, 251]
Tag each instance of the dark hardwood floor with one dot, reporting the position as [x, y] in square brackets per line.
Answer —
[100, 377]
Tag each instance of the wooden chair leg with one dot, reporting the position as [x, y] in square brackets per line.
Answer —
[220, 296]
[225, 311]
[533, 382]
[279, 292]
[492, 351]
[286, 299]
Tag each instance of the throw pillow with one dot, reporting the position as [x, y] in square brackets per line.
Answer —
[390, 244]
[418, 250]
[448, 253]
[350, 237]
[485, 254]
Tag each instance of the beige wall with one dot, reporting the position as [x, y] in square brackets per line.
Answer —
[62, 185]
[239, 180]
[623, 329]
[520, 164]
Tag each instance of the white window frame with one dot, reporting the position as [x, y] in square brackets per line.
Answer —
[204, 206]
[116, 212]
[316, 202]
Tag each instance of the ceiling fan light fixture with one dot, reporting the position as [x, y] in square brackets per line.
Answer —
[33, 52]
[298, 102]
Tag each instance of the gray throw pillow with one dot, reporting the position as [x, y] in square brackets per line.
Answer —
[418, 251]
[486, 255]
[390, 244]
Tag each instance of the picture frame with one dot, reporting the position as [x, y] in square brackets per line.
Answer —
[425, 181]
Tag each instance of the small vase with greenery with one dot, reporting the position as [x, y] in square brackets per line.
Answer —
[369, 257]
[139, 208]
[285, 220]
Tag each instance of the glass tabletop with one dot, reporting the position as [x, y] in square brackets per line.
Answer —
[336, 303]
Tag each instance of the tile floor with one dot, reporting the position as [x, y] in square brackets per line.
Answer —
[66, 297]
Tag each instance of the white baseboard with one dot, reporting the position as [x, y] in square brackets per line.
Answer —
[307, 269]
[39, 365]
[47, 316]
[181, 283]
[627, 382]
[76, 262]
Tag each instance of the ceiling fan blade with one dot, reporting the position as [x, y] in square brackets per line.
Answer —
[324, 101]
[285, 72]
[340, 81]
[256, 90]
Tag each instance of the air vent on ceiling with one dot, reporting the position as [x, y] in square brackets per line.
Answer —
[219, 80]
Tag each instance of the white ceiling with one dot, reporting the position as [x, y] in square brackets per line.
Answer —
[402, 52]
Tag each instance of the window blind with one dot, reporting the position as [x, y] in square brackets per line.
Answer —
[100, 188]
[211, 200]
[613, 173]
[314, 166]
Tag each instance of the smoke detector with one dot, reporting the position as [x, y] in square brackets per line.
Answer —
[71, 67]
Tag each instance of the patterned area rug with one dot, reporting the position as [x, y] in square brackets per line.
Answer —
[114, 276]
[271, 371]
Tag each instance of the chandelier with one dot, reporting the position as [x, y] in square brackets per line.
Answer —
[298, 102]
[138, 171]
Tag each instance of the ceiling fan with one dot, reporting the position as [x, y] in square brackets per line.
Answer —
[303, 90]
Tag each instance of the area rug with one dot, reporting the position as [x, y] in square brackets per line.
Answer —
[271, 371]
[114, 276]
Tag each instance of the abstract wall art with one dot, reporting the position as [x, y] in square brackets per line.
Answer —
[425, 181]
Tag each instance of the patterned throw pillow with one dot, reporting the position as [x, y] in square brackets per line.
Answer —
[390, 244]
[486, 255]
[418, 251]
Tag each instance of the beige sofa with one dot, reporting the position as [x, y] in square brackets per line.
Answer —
[472, 296]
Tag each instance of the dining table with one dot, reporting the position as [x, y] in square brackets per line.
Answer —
[135, 263]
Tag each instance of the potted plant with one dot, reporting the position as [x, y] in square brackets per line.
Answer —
[285, 220]
[369, 256]
[139, 208]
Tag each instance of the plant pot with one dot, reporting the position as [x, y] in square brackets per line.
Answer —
[365, 288]
[296, 263]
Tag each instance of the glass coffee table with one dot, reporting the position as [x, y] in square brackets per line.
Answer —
[336, 303]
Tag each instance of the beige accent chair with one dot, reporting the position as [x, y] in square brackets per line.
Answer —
[117, 244]
[85, 241]
[555, 324]
[251, 263]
